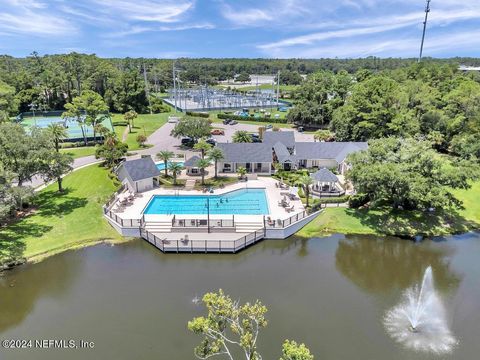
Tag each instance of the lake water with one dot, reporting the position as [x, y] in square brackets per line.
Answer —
[331, 293]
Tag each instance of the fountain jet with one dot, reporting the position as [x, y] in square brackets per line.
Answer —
[419, 322]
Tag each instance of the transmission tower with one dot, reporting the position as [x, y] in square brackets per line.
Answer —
[427, 10]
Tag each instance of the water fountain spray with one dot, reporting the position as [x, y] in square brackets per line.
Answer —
[419, 322]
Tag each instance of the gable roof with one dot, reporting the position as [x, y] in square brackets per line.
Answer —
[192, 161]
[287, 138]
[140, 169]
[327, 150]
[324, 175]
[246, 152]
[282, 152]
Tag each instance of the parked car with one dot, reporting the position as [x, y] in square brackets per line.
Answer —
[233, 122]
[186, 141]
[300, 129]
[255, 138]
[226, 121]
[173, 119]
[217, 132]
[211, 141]
[269, 126]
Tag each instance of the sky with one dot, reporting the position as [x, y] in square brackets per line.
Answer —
[240, 28]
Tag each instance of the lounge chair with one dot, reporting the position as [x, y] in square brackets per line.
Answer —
[290, 209]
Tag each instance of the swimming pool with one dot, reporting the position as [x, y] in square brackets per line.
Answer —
[161, 166]
[238, 202]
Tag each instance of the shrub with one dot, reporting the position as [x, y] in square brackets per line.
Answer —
[198, 114]
[141, 139]
[250, 118]
[358, 200]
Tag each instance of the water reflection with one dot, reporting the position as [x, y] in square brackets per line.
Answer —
[20, 289]
[378, 265]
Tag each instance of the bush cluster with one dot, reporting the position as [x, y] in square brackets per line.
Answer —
[251, 118]
[355, 201]
[198, 114]
[68, 145]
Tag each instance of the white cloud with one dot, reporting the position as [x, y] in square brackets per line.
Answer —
[32, 18]
[435, 45]
[369, 26]
[164, 11]
[134, 30]
[248, 17]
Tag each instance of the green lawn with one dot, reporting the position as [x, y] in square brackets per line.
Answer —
[402, 223]
[144, 124]
[63, 221]
[78, 152]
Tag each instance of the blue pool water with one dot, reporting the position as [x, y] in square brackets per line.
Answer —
[238, 202]
[161, 166]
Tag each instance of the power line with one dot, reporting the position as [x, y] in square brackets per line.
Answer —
[427, 10]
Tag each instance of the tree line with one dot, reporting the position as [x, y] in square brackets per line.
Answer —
[50, 81]
[422, 123]
[429, 100]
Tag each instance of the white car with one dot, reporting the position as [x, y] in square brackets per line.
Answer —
[173, 119]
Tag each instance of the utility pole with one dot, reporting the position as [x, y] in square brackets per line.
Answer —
[278, 86]
[147, 92]
[174, 85]
[427, 10]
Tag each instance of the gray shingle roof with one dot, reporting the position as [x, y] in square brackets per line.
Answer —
[282, 152]
[192, 161]
[327, 150]
[324, 175]
[287, 138]
[140, 169]
[246, 152]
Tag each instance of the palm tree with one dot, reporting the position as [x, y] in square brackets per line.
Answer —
[176, 169]
[241, 136]
[322, 135]
[202, 164]
[241, 172]
[305, 181]
[58, 133]
[215, 154]
[202, 146]
[129, 117]
[165, 155]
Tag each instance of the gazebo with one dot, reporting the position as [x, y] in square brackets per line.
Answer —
[325, 181]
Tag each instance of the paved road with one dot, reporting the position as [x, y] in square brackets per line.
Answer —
[161, 140]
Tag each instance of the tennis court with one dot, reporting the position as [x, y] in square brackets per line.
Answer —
[73, 128]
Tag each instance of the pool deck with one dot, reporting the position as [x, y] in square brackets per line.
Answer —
[216, 233]
[274, 195]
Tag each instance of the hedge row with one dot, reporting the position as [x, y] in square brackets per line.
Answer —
[198, 114]
[251, 118]
[77, 144]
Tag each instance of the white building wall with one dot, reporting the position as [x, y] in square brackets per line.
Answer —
[144, 185]
[326, 163]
